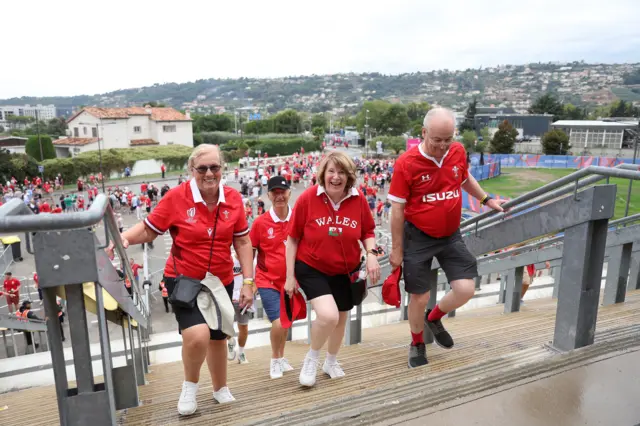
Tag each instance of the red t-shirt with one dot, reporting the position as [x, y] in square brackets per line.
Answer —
[269, 237]
[431, 191]
[143, 187]
[11, 284]
[531, 269]
[185, 215]
[134, 268]
[328, 236]
[45, 208]
[57, 210]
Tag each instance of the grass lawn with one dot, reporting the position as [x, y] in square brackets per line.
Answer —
[517, 181]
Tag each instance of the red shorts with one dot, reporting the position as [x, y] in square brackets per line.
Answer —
[13, 298]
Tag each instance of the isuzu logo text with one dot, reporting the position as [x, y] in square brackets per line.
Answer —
[440, 196]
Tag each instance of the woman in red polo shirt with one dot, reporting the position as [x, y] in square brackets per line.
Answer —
[329, 222]
[269, 237]
[195, 212]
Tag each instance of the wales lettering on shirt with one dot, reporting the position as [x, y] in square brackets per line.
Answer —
[337, 221]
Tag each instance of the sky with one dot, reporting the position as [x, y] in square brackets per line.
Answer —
[74, 47]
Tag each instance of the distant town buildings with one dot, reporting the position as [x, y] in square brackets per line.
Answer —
[124, 128]
[43, 112]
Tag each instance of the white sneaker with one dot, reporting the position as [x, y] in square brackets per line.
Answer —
[223, 396]
[231, 349]
[308, 372]
[187, 403]
[285, 366]
[242, 358]
[275, 369]
[333, 370]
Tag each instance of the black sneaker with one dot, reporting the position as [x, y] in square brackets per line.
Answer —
[442, 336]
[417, 355]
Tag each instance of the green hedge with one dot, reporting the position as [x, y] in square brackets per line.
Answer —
[115, 160]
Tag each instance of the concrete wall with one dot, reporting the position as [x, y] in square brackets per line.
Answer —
[145, 125]
[182, 136]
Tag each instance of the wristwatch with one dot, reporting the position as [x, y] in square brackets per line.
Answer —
[248, 281]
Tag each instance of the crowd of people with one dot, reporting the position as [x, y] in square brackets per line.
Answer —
[320, 250]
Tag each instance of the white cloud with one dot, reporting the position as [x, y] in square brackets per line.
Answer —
[73, 47]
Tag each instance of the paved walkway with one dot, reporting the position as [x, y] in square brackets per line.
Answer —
[492, 350]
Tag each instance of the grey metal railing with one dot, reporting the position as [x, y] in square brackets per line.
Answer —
[550, 191]
[6, 259]
[69, 256]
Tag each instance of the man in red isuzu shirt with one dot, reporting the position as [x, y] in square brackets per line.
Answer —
[426, 196]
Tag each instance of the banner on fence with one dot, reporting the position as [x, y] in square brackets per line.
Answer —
[412, 142]
[550, 161]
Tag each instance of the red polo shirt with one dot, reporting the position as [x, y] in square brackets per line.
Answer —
[431, 191]
[328, 233]
[11, 284]
[269, 238]
[183, 213]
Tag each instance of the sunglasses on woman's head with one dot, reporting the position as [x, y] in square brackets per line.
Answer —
[215, 168]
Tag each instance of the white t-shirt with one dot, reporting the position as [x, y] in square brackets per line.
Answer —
[265, 181]
[255, 191]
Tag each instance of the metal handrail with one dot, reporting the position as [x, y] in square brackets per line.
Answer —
[15, 216]
[550, 191]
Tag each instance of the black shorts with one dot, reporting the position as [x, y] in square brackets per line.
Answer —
[315, 284]
[189, 317]
[420, 249]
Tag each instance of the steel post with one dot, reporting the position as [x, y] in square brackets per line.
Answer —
[478, 282]
[579, 295]
[503, 284]
[78, 331]
[136, 355]
[58, 362]
[432, 279]
[634, 274]
[514, 290]
[105, 349]
[557, 278]
[617, 274]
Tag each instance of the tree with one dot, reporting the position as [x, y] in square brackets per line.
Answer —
[1, 129]
[155, 104]
[485, 134]
[32, 147]
[504, 139]
[547, 104]
[572, 112]
[469, 140]
[377, 111]
[395, 120]
[287, 121]
[417, 111]
[212, 123]
[416, 129]
[318, 133]
[555, 142]
[469, 117]
[319, 120]
[56, 127]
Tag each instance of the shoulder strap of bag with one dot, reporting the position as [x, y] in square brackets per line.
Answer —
[213, 237]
